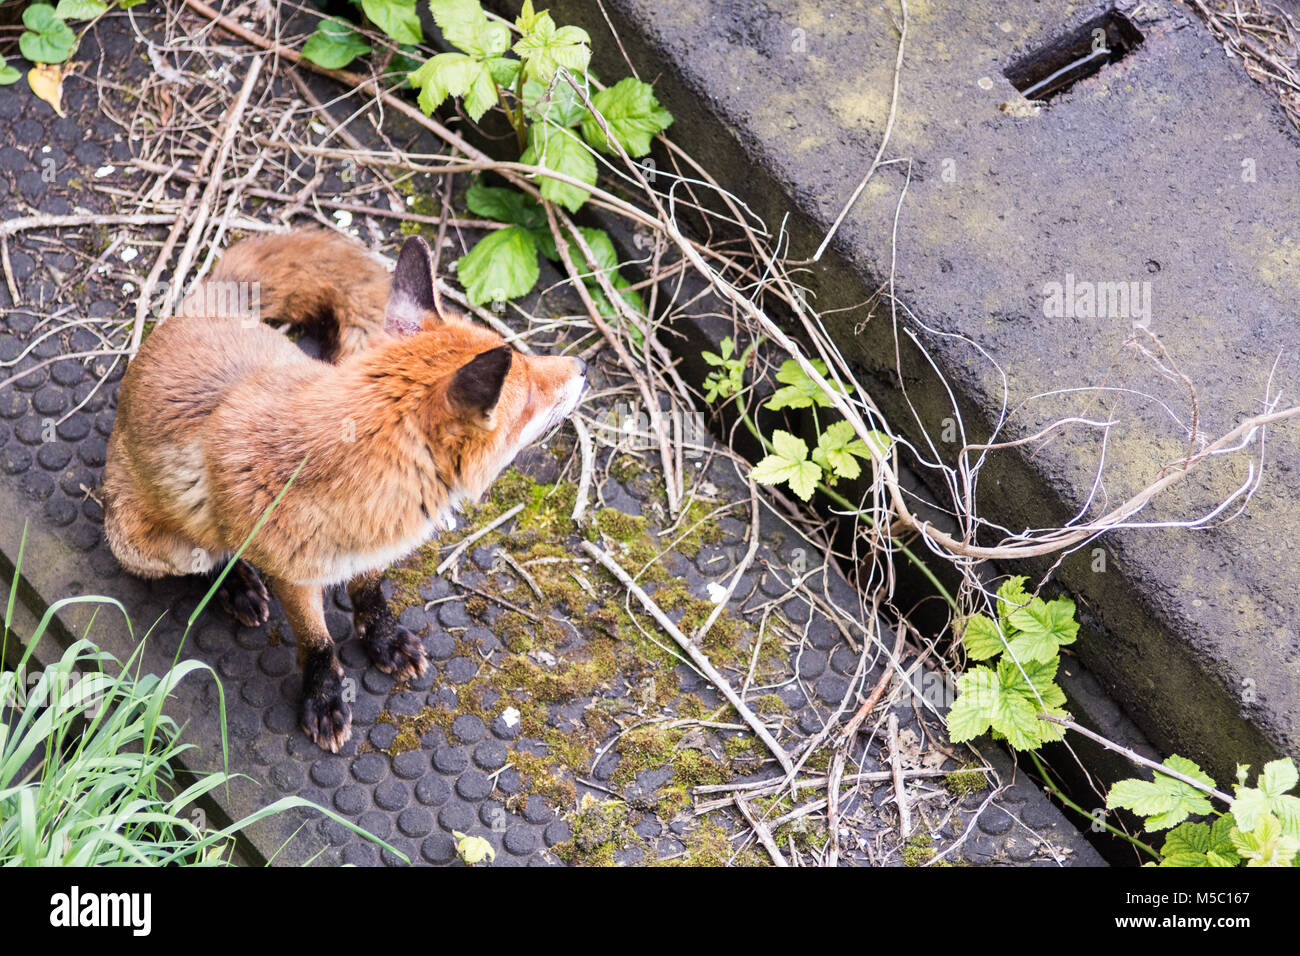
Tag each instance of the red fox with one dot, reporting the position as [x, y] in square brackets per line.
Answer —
[413, 413]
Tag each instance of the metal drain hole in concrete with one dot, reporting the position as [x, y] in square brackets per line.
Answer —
[1058, 66]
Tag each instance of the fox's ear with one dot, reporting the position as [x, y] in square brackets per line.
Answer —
[410, 301]
[476, 387]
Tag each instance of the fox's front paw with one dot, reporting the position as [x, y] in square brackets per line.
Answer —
[323, 714]
[244, 595]
[394, 649]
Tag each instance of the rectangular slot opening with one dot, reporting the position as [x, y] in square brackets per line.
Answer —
[1058, 66]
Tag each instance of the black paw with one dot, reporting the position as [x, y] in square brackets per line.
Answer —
[243, 594]
[393, 648]
[323, 714]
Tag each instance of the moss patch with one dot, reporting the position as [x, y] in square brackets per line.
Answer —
[967, 780]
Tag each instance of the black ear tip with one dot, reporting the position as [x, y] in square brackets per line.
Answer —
[415, 244]
[478, 383]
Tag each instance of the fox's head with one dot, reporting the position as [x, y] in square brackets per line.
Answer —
[480, 401]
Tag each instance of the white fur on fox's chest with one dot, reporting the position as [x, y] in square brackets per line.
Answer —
[346, 566]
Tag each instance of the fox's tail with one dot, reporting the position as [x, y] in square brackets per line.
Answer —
[306, 277]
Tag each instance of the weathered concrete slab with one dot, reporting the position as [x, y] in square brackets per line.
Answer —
[1170, 167]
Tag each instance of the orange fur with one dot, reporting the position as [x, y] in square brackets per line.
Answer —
[419, 413]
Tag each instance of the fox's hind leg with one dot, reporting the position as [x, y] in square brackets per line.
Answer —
[144, 548]
[392, 648]
[140, 542]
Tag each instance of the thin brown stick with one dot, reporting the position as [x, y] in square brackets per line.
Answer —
[1136, 757]
[761, 831]
[900, 790]
[697, 656]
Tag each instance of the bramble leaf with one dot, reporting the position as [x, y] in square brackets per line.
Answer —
[981, 639]
[397, 18]
[334, 45]
[1041, 628]
[800, 391]
[455, 74]
[1011, 596]
[466, 27]
[562, 151]
[788, 463]
[632, 115]
[504, 70]
[1019, 721]
[1266, 844]
[1005, 702]
[556, 102]
[545, 48]
[502, 265]
[1270, 796]
[1200, 844]
[976, 705]
[838, 450]
[505, 205]
[527, 17]
[1163, 800]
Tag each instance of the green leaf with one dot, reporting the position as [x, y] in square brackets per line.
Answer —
[838, 450]
[976, 705]
[800, 391]
[730, 375]
[1278, 777]
[505, 205]
[503, 265]
[1200, 844]
[8, 74]
[545, 48]
[981, 639]
[632, 115]
[527, 17]
[1163, 800]
[1011, 595]
[79, 9]
[1270, 797]
[473, 849]
[334, 45]
[465, 26]
[397, 18]
[556, 102]
[454, 74]
[404, 62]
[788, 463]
[1042, 628]
[628, 295]
[560, 150]
[1266, 844]
[482, 93]
[504, 70]
[48, 39]
[1007, 703]
[602, 247]
[1024, 696]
